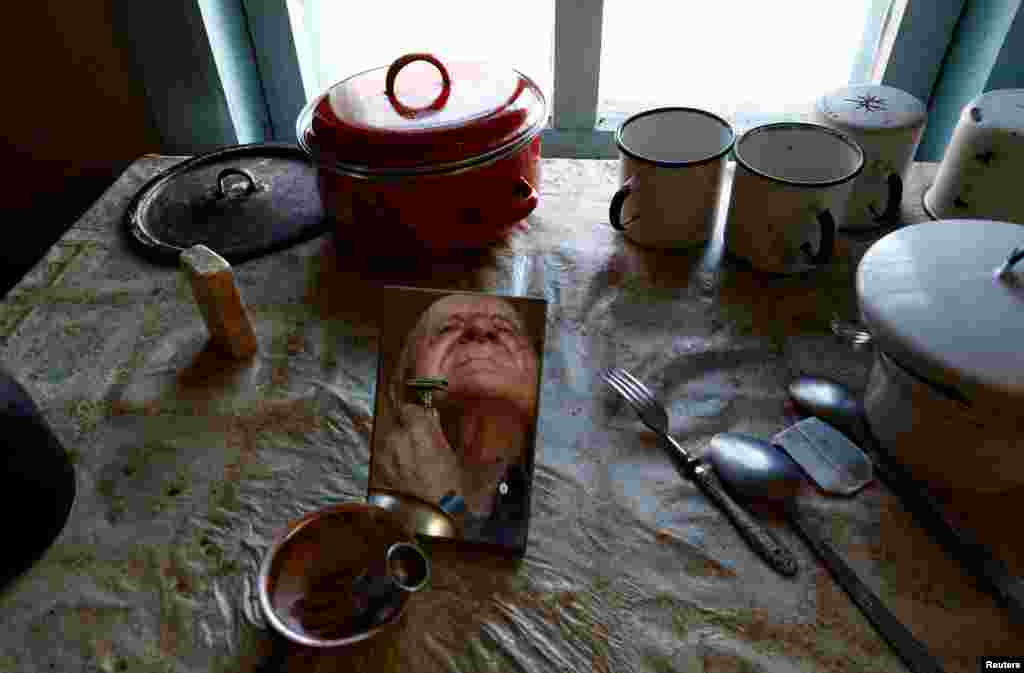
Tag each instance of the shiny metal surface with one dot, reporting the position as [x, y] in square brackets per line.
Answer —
[855, 333]
[188, 472]
[365, 172]
[415, 514]
[830, 401]
[408, 568]
[832, 461]
[654, 416]
[376, 594]
[753, 467]
[835, 403]
[742, 460]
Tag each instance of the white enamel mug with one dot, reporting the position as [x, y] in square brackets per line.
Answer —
[888, 124]
[792, 184]
[671, 165]
[980, 173]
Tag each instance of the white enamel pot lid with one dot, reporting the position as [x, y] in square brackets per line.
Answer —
[872, 107]
[934, 301]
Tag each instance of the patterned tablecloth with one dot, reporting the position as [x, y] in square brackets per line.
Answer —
[186, 472]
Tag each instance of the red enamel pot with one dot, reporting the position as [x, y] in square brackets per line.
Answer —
[426, 156]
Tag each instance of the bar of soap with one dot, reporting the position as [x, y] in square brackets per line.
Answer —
[224, 312]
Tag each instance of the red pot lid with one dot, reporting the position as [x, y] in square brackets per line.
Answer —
[399, 118]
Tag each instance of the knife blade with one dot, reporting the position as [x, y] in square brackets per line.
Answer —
[836, 464]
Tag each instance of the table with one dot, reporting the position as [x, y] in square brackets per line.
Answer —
[186, 472]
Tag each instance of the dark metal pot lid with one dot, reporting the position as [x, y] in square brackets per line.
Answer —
[242, 201]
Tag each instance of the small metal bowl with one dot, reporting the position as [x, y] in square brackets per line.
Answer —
[415, 514]
[340, 575]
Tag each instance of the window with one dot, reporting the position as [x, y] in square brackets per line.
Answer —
[346, 38]
[749, 62]
[600, 60]
[597, 60]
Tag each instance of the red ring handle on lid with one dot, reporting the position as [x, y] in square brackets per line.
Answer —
[405, 110]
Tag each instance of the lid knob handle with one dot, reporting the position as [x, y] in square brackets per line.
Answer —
[223, 189]
[392, 74]
[1004, 272]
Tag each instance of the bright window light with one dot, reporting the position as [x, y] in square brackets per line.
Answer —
[748, 61]
[349, 37]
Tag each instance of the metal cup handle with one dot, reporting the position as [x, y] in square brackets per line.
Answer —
[892, 206]
[615, 209]
[828, 240]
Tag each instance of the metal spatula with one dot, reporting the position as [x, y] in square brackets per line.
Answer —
[836, 464]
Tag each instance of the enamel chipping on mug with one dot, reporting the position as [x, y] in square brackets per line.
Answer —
[888, 124]
[792, 183]
[671, 168]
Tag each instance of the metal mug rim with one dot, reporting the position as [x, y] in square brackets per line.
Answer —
[633, 154]
[808, 126]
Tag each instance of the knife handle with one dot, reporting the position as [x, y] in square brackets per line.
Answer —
[912, 651]
[762, 540]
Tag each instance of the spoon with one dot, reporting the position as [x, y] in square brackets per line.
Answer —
[833, 403]
[836, 404]
[756, 469]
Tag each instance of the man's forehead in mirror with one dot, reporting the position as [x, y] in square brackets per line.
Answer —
[468, 307]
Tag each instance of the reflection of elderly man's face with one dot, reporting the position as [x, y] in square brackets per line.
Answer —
[479, 344]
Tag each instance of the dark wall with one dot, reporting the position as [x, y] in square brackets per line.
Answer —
[73, 118]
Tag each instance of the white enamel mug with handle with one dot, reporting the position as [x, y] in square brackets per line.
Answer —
[792, 184]
[980, 174]
[888, 124]
[672, 161]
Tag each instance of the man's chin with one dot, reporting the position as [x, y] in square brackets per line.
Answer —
[482, 382]
[482, 390]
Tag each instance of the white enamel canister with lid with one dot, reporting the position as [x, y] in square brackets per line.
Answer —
[888, 124]
[980, 175]
[945, 305]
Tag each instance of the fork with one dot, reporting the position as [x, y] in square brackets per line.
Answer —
[654, 416]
